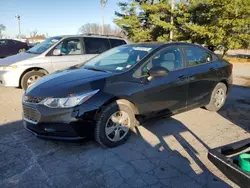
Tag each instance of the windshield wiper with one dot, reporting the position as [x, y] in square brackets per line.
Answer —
[95, 69]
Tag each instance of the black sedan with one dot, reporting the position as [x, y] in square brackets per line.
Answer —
[10, 47]
[106, 96]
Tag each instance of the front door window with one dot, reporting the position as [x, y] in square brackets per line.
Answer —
[70, 47]
[169, 58]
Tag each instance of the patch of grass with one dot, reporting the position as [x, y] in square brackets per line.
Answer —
[237, 59]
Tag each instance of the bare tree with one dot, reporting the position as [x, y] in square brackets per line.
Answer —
[93, 28]
[115, 31]
[90, 28]
[33, 33]
[103, 3]
[2, 28]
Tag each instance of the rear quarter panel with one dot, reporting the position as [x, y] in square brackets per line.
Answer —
[225, 72]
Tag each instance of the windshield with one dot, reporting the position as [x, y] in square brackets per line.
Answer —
[45, 45]
[120, 58]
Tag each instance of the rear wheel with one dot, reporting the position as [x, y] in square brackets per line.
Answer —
[218, 97]
[30, 78]
[21, 50]
[114, 124]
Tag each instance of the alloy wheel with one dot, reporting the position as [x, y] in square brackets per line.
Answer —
[32, 79]
[21, 50]
[117, 126]
[219, 98]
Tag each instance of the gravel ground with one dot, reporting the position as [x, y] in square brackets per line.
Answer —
[168, 152]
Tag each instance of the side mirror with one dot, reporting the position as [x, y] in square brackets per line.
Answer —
[57, 52]
[158, 71]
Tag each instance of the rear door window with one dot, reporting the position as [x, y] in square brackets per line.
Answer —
[197, 56]
[15, 43]
[96, 45]
[116, 42]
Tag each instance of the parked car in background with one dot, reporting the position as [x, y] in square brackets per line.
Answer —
[53, 54]
[10, 47]
[31, 45]
[104, 96]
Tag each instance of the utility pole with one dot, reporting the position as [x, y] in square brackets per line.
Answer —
[19, 26]
[172, 20]
[103, 3]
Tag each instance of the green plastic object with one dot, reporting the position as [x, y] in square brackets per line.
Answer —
[244, 162]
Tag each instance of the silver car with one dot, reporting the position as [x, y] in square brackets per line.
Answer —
[55, 53]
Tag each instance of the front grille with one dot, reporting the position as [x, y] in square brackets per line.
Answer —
[31, 114]
[31, 99]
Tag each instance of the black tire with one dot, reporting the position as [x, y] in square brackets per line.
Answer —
[103, 117]
[211, 106]
[26, 76]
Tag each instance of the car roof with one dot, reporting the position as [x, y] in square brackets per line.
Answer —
[11, 40]
[148, 44]
[158, 45]
[91, 35]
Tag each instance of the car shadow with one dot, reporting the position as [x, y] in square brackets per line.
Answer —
[163, 152]
[178, 148]
[10, 128]
[237, 107]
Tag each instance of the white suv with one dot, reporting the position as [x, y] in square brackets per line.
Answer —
[53, 54]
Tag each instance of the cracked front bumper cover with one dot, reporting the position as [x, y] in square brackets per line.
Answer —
[63, 124]
[52, 135]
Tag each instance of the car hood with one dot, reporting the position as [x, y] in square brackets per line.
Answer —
[66, 82]
[16, 58]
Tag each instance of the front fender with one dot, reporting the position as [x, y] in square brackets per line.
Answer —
[131, 91]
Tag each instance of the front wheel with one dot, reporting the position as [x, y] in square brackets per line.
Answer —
[218, 97]
[30, 78]
[114, 124]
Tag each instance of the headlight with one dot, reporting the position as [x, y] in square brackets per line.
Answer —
[68, 102]
[8, 68]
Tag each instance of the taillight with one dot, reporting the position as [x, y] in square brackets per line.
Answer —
[231, 66]
[25, 44]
